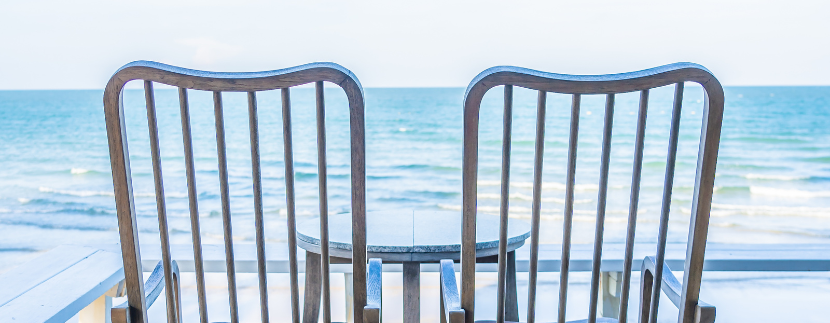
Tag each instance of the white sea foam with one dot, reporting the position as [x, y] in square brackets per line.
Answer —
[721, 210]
[775, 177]
[523, 197]
[780, 192]
[76, 193]
[83, 193]
[23, 200]
[166, 194]
[550, 214]
[78, 171]
[284, 212]
[545, 185]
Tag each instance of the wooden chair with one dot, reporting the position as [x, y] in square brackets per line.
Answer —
[140, 295]
[655, 275]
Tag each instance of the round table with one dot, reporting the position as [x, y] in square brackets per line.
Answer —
[410, 238]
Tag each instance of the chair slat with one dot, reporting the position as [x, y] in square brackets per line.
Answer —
[226, 206]
[666, 203]
[633, 203]
[569, 206]
[256, 173]
[324, 208]
[537, 206]
[164, 232]
[601, 199]
[505, 201]
[195, 229]
[290, 206]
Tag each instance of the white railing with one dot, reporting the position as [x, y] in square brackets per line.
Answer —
[72, 280]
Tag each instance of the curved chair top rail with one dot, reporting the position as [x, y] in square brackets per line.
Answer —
[233, 81]
[592, 84]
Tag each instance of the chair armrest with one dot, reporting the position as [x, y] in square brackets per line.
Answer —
[451, 310]
[152, 289]
[704, 312]
[374, 275]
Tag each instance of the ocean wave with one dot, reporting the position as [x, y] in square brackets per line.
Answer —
[742, 227]
[523, 197]
[166, 195]
[545, 185]
[82, 210]
[725, 189]
[721, 210]
[427, 167]
[525, 212]
[306, 213]
[58, 226]
[83, 193]
[75, 193]
[433, 194]
[775, 177]
[382, 177]
[78, 171]
[177, 195]
[825, 159]
[46, 206]
[770, 139]
[771, 191]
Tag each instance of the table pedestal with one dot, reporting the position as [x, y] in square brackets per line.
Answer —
[313, 287]
[411, 291]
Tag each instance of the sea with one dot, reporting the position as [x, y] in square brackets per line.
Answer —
[772, 184]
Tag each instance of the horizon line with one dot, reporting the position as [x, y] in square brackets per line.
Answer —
[165, 87]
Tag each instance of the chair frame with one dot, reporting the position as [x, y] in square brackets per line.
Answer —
[135, 309]
[655, 273]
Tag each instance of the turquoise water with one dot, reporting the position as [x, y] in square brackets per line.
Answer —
[773, 182]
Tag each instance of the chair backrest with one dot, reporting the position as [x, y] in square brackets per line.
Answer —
[186, 79]
[576, 86]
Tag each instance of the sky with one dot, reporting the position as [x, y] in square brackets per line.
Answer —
[425, 43]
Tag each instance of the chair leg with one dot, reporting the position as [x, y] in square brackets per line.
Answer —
[511, 310]
[646, 284]
[443, 318]
[610, 294]
[313, 287]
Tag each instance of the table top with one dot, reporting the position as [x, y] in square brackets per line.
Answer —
[411, 235]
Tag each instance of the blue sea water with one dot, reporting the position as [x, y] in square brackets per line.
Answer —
[773, 174]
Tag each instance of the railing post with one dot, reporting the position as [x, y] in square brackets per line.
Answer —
[99, 310]
[610, 293]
